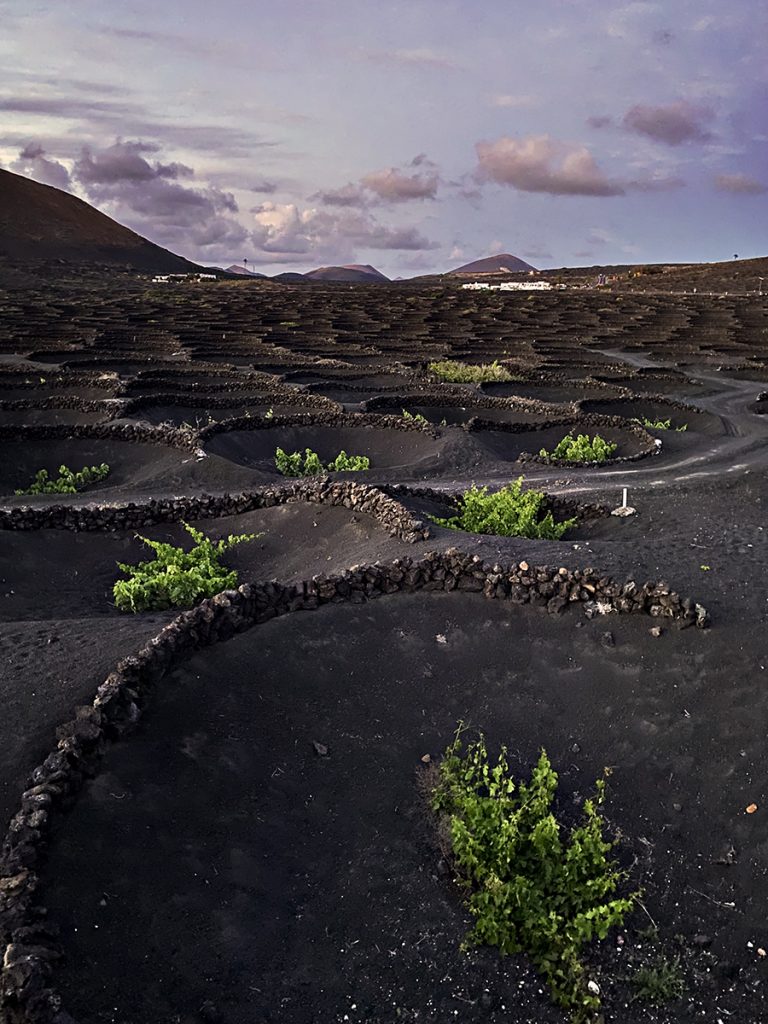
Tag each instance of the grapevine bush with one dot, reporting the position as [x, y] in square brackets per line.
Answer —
[581, 448]
[417, 417]
[67, 482]
[533, 886]
[660, 425]
[309, 464]
[510, 512]
[176, 578]
[455, 372]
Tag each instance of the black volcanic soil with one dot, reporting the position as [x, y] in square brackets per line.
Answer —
[263, 850]
[48, 667]
[219, 857]
[52, 415]
[504, 446]
[566, 392]
[133, 467]
[198, 416]
[411, 450]
[690, 419]
[80, 569]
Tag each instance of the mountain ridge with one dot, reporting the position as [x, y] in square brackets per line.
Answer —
[501, 263]
[40, 222]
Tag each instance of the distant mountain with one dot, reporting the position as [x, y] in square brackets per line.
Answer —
[290, 277]
[38, 222]
[504, 263]
[356, 273]
[243, 271]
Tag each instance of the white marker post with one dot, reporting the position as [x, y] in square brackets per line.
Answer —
[624, 509]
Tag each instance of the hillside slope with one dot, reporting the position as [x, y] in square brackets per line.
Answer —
[38, 222]
[362, 273]
[503, 263]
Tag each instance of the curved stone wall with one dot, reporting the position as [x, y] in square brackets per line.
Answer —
[27, 992]
[372, 501]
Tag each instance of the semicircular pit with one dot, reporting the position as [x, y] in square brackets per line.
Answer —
[386, 448]
[507, 446]
[222, 856]
[134, 468]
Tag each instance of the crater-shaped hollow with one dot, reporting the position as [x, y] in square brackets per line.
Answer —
[218, 857]
[386, 448]
[505, 446]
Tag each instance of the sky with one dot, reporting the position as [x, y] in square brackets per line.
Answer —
[415, 136]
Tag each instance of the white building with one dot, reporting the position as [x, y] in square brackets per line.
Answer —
[510, 286]
[525, 286]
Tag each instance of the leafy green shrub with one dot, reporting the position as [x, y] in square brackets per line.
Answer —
[349, 463]
[532, 888]
[296, 464]
[660, 424]
[309, 464]
[68, 481]
[176, 578]
[417, 418]
[581, 448]
[659, 983]
[510, 512]
[455, 372]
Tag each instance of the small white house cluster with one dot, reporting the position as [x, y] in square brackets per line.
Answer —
[181, 278]
[509, 286]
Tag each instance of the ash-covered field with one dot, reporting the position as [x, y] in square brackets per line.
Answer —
[208, 864]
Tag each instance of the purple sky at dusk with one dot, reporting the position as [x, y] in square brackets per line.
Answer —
[415, 136]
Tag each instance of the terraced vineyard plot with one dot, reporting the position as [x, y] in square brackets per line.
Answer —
[380, 677]
[386, 449]
[247, 834]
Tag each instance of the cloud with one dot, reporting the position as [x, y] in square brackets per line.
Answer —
[395, 186]
[125, 162]
[420, 57]
[466, 187]
[663, 36]
[286, 229]
[33, 162]
[622, 22]
[148, 196]
[514, 102]
[420, 180]
[220, 231]
[740, 184]
[347, 195]
[69, 107]
[672, 124]
[99, 116]
[600, 121]
[538, 163]
[656, 183]
[263, 186]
